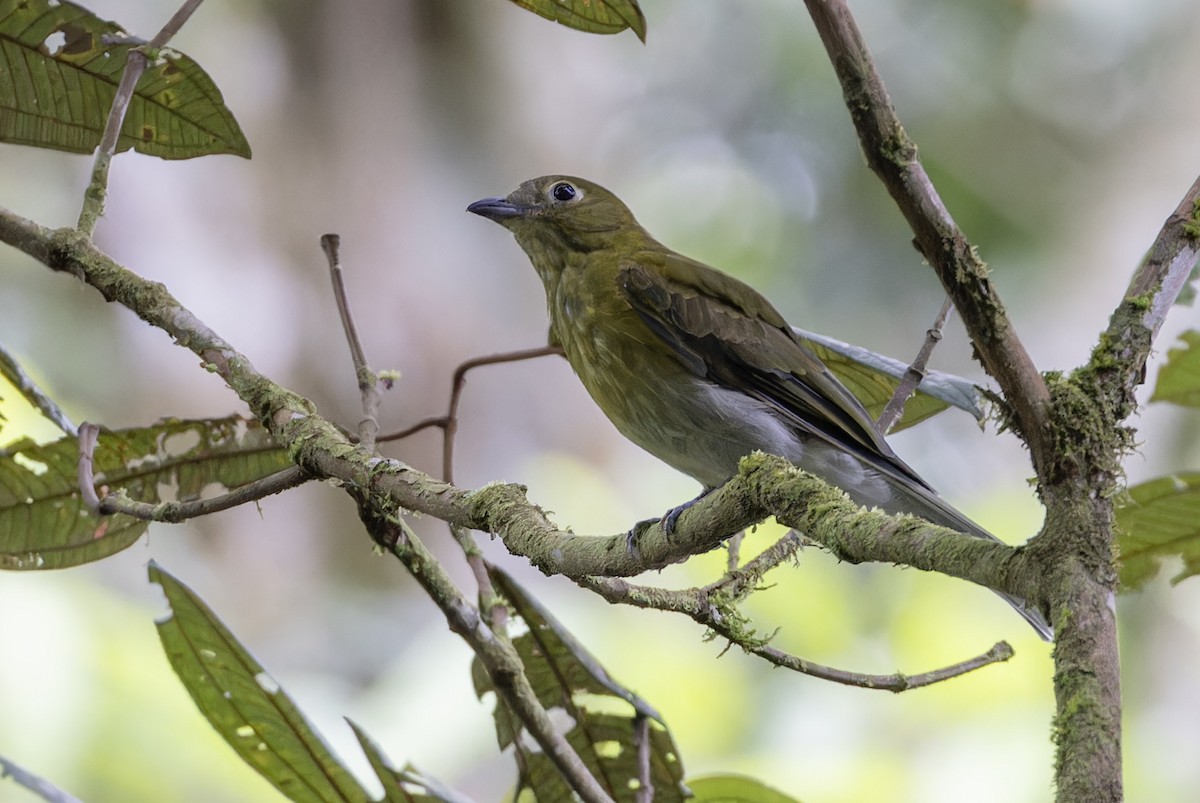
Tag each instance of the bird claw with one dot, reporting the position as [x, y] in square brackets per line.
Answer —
[635, 533]
[667, 522]
[671, 518]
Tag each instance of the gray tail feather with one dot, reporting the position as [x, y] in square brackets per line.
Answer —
[928, 505]
[1034, 617]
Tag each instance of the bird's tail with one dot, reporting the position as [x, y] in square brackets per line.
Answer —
[928, 505]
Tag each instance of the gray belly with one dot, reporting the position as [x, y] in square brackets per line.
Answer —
[703, 430]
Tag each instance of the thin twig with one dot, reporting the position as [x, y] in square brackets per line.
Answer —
[739, 581]
[915, 373]
[641, 738]
[696, 605]
[399, 435]
[496, 611]
[893, 157]
[174, 24]
[173, 512]
[89, 434]
[495, 654]
[489, 600]
[368, 385]
[456, 388]
[11, 370]
[733, 548]
[135, 64]
[36, 784]
[448, 423]
[368, 380]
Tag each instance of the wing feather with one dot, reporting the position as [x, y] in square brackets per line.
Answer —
[723, 331]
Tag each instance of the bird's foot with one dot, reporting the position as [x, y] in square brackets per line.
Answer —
[634, 535]
[667, 522]
[671, 517]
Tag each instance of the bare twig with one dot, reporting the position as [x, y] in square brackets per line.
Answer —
[135, 65]
[915, 373]
[641, 738]
[733, 548]
[174, 24]
[11, 370]
[456, 388]
[893, 157]
[89, 434]
[173, 512]
[496, 655]
[368, 380]
[493, 606]
[428, 423]
[448, 423]
[36, 784]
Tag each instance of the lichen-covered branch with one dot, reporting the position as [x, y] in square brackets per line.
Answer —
[765, 485]
[893, 157]
[715, 607]
[497, 656]
[1088, 415]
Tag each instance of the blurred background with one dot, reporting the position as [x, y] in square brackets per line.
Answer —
[1061, 134]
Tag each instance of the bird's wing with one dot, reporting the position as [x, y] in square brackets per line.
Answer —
[725, 332]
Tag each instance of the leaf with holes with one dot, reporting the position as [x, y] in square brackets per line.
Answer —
[406, 785]
[245, 704]
[59, 69]
[599, 717]
[591, 16]
[44, 523]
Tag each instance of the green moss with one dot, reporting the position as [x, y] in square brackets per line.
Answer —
[1192, 227]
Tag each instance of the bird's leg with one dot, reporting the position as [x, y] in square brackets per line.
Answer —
[672, 515]
[667, 521]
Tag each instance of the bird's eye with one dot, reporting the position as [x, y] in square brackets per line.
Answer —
[562, 191]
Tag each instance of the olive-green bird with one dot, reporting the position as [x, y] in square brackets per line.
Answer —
[695, 366]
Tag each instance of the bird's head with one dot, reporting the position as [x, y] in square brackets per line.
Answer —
[559, 211]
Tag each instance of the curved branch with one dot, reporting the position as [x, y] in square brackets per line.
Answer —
[495, 653]
[713, 606]
[893, 157]
[764, 485]
[1153, 290]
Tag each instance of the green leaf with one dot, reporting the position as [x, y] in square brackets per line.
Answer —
[245, 704]
[1159, 519]
[1179, 379]
[873, 378]
[602, 716]
[399, 785]
[591, 16]
[59, 69]
[44, 524]
[735, 789]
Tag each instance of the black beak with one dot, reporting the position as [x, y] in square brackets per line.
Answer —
[496, 209]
